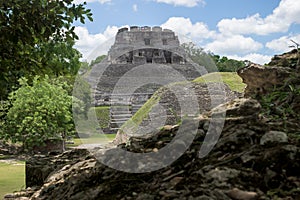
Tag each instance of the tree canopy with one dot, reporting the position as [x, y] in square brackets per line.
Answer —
[225, 64]
[210, 61]
[199, 56]
[37, 37]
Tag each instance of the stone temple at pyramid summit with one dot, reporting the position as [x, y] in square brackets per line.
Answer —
[141, 60]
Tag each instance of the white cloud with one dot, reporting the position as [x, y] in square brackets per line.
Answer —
[236, 44]
[90, 1]
[282, 44]
[282, 17]
[186, 3]
[134, 7]
[253, 57]
[93, 45]
[187, 31]
[222, 44]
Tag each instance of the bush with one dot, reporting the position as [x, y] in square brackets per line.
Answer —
[38, 112]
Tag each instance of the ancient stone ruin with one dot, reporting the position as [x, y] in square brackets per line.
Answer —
[140, 45]
[139, 54]
[257, 156]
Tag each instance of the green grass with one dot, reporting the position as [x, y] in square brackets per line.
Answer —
[98, 117]
[102, 113]
[12, 177]
[141, 114]
[232, 79]
[94, 139]
[100, 138]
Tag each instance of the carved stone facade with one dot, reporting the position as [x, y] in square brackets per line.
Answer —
[140, 45]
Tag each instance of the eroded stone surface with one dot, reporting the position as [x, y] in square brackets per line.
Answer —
[237, 166]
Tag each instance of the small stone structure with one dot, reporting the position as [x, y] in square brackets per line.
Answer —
[149, 47]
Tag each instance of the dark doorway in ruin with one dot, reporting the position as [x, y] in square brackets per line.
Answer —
[156, 52]
[130, 57]
[149, 55]
[168, 56]
[164, 41]
[147, 41]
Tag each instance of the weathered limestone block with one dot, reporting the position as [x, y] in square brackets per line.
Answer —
[39, 167]
[238, 167]
[262, 79]
[274, 137]
[51, 145]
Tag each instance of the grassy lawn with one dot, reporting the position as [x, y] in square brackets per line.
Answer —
[12, 177]
[12, 173]
[93, 139]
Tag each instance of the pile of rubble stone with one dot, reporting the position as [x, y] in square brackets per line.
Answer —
[252, 159]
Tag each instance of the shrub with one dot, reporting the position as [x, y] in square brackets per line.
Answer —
[38, 112]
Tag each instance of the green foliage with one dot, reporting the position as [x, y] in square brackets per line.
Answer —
[103, 116]
[38, 112]
[227, 65]
[278, 105]
[200, 57]
[232, 79]
[132, 124]
[4, 106]
[57, 58]
[84, 68]
[212, 63]
[81, 97]
[97, 60]
[37, 37]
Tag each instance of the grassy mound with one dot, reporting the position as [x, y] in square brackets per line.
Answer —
[230, 78]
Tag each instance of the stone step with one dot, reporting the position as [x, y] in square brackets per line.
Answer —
[114, 129]
[120, 120]
[116, 125]
[122, 115]
[137, 105]
[119, 103]
[120, 110]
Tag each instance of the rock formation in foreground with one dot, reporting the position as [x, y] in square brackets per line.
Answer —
[256, 157]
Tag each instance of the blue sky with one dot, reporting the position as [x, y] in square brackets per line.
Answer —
[242, 29]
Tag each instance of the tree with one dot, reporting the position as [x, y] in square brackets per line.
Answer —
[199, 56]
[210, 61]
[227, 65]
[58, 58]
[97, 60]
[38, 112]
[81, 97]
[37, 37]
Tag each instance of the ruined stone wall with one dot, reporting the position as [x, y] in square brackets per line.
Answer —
[145, 45]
